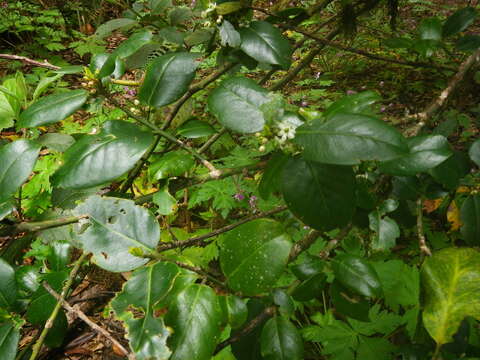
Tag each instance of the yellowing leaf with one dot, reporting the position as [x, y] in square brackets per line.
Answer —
[431, 205]
[453, 216]
[451, 283]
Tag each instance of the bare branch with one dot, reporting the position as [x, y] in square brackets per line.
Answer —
[25, 60]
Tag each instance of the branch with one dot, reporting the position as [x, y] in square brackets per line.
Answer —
[25, 60]
[435, 105]
[194, 89]
[40, 225]
[302, 245]
[210, 141]
[49, 324]
[365, 53]
[87, 320]
[200, 240]
[185, 183]
[422, 243]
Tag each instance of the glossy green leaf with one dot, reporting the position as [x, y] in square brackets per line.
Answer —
[43, 85]
[254, 255]
[272, 176]
[124, 50]
[114, 227]
[6, 209]
[280, 340]
[323, 197]
[474, 152]
[228, 35]
[147, 287]
[173, 163]
[52, 108]
[18, 159]
[97, 159]
[266, 44]
[28, 278]
[8, 286]
[425, 153]
[449, 172]
[310, 288]
[284, 302]
[112, 25]
[348, 303]
[234, 309]
[405, 187]
[430, 29]
[459, 21]
[470, 218]
[168, 78]
[347, 139]
[468, 43]
[196, 316]
[7, 113]
[9, 337]
[357, 275]
[236, 103]
[310, 265]
[451, 283]
[193, 129]
[426, 48]
[354, 104]
[59, 258]
[399, 43]
[56, 141]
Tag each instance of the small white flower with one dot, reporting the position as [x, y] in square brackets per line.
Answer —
[285, 131]
[136, 102]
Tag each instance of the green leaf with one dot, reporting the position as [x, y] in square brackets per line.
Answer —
[193, 129]
[6, 209]
[52, 108]
[374, 349]
[228, 35]
[124, 50]
[271, 178]
[112, 25]
[18, 159]
[9, 337]
[468, 43]
[228, 7]
[425, 153]
[346, 139]
[280, 340]
[43, 85]
[266, 44]
[451, 282]
[234, 309]
[357, 275]
[56, 141]
[97, 159]
[115, 226]
[321, 195]
[354, 104]
[173, 163]
[474, 152]
[8, 287]
[146, 289]
[284, 302]
[7, 113]
[449, 172]
[386, 229]
[237, 104]
[168, 78]
[459, 21]
[28, 278]
[254, 255]
[348, 303]
[430, 29]
[310, 288]
[399, 43]
[470, 217]
[196, 316]
[166, 203]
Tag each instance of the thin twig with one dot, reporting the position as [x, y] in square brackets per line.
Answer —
[182, 183]
[25, 60]
[303, 244]
[435, 105]
[247, 329]
[49, 324]
[200, 240]
[212, 140]
[87, 320]
[422, 243]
